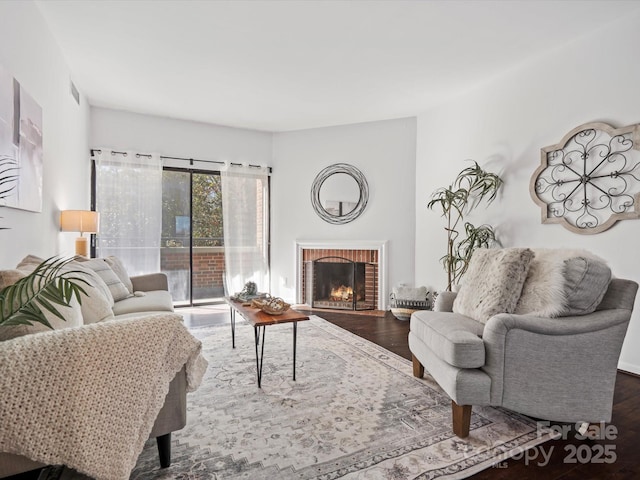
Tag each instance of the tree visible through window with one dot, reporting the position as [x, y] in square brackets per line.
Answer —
[206, 203]
[192, 211]
[207, 211]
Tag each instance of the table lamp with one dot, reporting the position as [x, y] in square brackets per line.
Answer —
[83, 221]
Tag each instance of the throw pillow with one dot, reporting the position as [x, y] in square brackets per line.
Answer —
[72, 314]
[29, 263]
[9, 277]
[563, 282]
[96, 304]
[493, 282]
[72, 318]
[119, 269]
[586, 283]
[117, 290]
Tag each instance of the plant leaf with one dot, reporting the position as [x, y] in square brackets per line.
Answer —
[49, 287]
[471, 186]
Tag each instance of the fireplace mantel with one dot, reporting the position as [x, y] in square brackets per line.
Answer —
[379, 245]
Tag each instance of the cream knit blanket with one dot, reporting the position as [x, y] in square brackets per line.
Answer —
[87, 397]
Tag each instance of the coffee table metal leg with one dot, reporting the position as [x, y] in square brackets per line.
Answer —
[295, 335]
[233, 327]
[259, 360]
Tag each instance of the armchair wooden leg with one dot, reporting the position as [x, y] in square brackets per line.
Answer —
[461, 419]
[418, 368]
[164, 449]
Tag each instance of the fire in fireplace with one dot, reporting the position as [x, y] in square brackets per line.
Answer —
[342, 293]
[338, 283]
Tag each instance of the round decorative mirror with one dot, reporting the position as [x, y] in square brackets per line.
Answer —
[339, 194]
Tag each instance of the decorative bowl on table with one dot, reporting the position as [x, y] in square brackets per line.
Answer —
[271, 305]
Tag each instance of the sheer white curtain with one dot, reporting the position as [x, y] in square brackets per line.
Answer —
[245, 213]
[129, 199]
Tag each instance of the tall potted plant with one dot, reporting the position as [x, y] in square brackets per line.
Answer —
[472, 186]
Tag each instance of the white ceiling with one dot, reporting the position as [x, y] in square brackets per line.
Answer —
[287, 65]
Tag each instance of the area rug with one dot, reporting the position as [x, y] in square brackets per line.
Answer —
[355, 411]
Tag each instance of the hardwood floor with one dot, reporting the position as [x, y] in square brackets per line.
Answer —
[603, 458]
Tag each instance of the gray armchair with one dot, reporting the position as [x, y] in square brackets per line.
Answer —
[558, 369]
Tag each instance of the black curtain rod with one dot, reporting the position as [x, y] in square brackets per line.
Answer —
[190, 160]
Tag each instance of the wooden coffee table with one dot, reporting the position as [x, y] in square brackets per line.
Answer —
[260, 320]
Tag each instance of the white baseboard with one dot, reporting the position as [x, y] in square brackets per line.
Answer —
[628, 367]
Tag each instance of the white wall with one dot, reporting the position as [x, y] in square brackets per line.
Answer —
[121, 130]
[385, 153]
[29, 52]
[504, 124]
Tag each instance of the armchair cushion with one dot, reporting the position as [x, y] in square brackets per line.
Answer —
[454, 338]
[493, 282]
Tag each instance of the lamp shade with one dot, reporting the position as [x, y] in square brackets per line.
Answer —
[83, 221]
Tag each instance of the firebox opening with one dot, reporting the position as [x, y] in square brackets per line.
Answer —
[339, 283]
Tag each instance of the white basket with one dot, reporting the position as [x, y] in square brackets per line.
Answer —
[402, 309]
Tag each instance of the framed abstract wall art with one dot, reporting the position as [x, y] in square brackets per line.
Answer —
[20, 146]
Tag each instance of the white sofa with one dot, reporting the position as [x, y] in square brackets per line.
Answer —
[146, 294]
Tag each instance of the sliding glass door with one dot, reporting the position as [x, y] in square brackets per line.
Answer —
[192, 247]
[172, 218]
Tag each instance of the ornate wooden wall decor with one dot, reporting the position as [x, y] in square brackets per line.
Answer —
[591, 179]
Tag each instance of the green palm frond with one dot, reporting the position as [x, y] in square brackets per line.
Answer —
[47, 288]
[8, 177]
[480, 184]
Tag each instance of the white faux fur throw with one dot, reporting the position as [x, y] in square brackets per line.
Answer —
[87, 397]
[543, 292]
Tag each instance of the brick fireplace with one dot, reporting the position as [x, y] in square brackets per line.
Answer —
[362, 262]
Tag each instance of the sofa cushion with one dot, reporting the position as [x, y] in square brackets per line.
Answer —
[563, 282]
[126, 316]
[153, 301]
[493, 282]
[455, 338]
